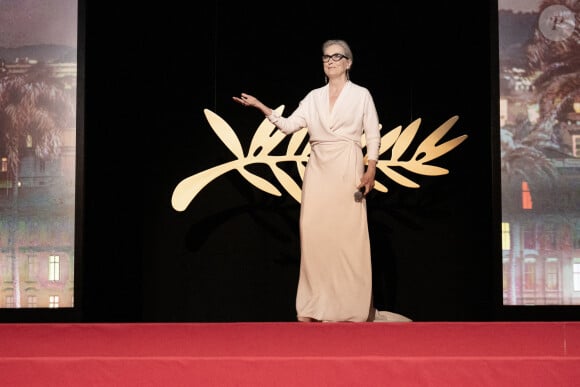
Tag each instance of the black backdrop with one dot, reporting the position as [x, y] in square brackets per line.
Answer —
[147, 72]
[233, 255]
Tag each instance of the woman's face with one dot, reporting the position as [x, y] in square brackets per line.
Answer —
[335, 61]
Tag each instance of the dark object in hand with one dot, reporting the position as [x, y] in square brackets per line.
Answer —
[359, 195]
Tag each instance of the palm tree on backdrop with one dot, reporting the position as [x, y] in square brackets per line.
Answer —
[553, 66]
[558, 85]
[557, 88]
[34, 107]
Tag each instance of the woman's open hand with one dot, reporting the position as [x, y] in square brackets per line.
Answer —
[246, 100]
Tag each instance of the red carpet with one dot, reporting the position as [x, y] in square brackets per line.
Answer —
[291, 354]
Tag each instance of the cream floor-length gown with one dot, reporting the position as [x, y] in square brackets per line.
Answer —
[335, 282]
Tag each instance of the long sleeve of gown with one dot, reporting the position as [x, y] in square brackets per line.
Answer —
[371, 128]
[292, 123]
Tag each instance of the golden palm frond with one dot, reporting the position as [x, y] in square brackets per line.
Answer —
[267, 138]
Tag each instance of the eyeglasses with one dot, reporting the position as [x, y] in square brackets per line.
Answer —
[335, 57]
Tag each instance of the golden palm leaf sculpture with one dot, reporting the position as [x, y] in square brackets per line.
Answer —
[267, 137]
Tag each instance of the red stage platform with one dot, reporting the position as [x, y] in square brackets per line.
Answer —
[291, 354]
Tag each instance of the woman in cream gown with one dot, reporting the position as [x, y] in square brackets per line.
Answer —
[335, 282]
